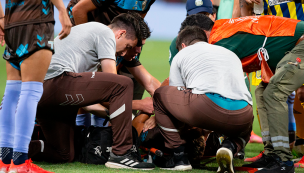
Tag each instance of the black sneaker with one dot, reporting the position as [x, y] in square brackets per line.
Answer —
[181, 162]
[277, 166]
[127, 161]
[224, 158]
[261, 163]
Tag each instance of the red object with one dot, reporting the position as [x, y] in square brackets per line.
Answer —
[298, 60]
[253, 159]
[300, 164]
[4, 167]
[153, 151]
[27, 167]
[249, 170]
[255, 138]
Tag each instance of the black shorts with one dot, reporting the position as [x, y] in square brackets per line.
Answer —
[22, 41]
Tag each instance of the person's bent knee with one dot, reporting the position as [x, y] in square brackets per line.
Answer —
[126, 82]
[157, 97]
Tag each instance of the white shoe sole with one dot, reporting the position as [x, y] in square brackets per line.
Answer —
[120, 166]
[224, 159]
[179, 168]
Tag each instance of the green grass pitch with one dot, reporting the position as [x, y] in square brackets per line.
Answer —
[154, 57]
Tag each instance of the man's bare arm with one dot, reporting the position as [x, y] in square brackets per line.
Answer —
[97, 109]
[108, 66]
[145, 105]
[81, 9]
[236, 9]
[145, 78]
[246, 8]
[63, 18]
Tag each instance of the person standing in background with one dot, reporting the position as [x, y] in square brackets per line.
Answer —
[29, 35]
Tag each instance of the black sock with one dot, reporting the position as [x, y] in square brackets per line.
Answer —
[19, 158]
[6, 155]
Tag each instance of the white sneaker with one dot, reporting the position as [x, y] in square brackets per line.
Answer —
[224, 159]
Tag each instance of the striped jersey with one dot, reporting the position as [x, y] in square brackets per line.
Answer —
[284, 8]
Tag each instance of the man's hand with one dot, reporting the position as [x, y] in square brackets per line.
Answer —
[65, 23]
[145, 105]
[63, 18]
[149, 124]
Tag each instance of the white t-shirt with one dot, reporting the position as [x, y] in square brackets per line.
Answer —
[207, 68]
[82, 49]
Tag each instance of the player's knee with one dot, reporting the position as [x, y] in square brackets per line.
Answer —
[300, 94]
[157, 99]
[127, 82]
[156, 96]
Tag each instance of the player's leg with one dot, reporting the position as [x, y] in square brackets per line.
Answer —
[288, 78]
[7, 115]
[22, 48]
[268, 148]
[31, 92]
[263, 117]
[170, 126]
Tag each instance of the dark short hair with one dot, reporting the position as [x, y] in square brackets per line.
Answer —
[199, 20]
[134, 24]
[190, 35]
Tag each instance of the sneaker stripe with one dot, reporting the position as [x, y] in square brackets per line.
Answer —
[136, 163]
[42, 145]
[128, 163]
[123, 161]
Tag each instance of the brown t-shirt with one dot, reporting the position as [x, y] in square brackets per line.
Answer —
[24, 12]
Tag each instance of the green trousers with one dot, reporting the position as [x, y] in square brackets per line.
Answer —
[271, 102]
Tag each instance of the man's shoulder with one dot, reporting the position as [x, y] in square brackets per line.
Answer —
[92, 24]
[93, 27]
